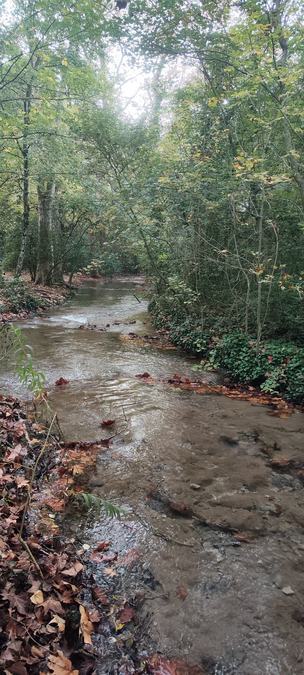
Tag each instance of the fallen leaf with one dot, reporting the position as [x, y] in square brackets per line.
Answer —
[181, 592]
[127, 614]
[61, 381]
[61, 665]
[58, 621]
[143, 375]
[18, 451]
[102, 546]
[100, 557]
[74, 570]
[243, 537]
[129, 558]
[100, 596]
[159, 665]
[39, 652]
[18, 668]
[95, 616]
[107, 423]
[110, 572]
[55, 504]
[37, 598]
[86, 626]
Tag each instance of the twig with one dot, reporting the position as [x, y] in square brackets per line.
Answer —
[30, 487]
[28, 550]
[59, 428]
[135, 296]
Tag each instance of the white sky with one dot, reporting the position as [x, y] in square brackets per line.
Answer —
[133, 82]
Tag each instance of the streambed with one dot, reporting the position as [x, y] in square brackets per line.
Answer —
[213, 516]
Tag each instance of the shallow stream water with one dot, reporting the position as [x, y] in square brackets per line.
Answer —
[217, 530]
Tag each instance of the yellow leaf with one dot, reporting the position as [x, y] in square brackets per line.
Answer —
[86, 626]
[37, 598]
[61, 665]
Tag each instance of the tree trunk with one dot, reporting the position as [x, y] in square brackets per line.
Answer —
[26, 179]
[46, 193]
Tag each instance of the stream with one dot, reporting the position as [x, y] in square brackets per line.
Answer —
[212, 518]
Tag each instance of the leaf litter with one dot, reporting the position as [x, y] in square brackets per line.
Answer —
[50, 611]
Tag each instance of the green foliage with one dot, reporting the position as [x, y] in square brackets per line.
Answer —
[278, 368]
[17, 297]
[89, 502]
[12, 342]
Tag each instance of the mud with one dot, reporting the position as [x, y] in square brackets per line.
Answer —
[212, 490]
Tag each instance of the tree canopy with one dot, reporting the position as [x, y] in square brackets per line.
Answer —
[203, 189]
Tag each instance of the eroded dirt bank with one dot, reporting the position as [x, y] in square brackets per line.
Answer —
[212, 536]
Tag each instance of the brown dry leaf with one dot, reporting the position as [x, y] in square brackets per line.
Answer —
[58, 621]
[74, 570]
[95, 616]
[159, 665]
[86, 626]
[61, 665]
[100, 596]
[39, 652]
[55, 504]
[37, 598]
[130, 557]
[127, 614]
[110, 572]
[21, 481]
[100, 557]
[61, 381]
[243, 537]
[16, 452]
[53, 605]
[107, 423]
[181, 592]
[18, 668]
[102, 546]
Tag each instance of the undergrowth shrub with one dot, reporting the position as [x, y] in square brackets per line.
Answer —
[277, 368]
[17, 297]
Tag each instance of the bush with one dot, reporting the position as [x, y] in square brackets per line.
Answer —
[191, 338]
[235, 355]
[278, 367]
[18, 298]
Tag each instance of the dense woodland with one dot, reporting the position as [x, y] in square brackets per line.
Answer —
[203, 190]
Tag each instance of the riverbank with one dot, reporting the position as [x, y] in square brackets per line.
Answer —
[52, 616]
[275, 368]
[22, 298]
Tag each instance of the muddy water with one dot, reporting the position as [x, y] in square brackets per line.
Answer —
[190, 471]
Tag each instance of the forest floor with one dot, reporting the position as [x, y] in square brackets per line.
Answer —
[28, 298]
[50, 604]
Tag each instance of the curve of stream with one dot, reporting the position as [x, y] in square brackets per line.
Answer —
[212, 514]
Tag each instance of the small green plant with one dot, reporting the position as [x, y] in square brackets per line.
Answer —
[12, 341]
[89, 502]
[17, 296]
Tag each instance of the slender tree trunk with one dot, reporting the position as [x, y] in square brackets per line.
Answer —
[26, 179]
[46, 193]
[295, 165]
[260, 220]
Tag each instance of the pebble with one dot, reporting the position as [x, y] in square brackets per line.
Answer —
[195, 486]
[287, 590]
